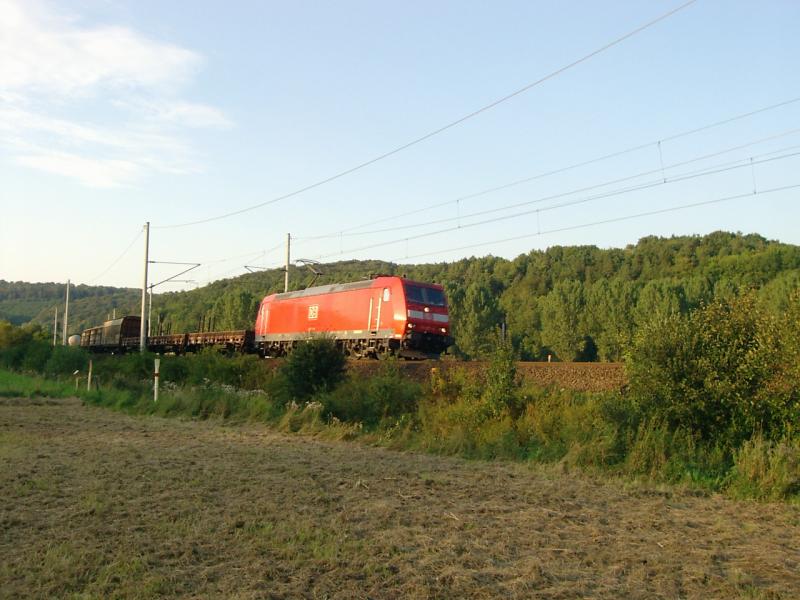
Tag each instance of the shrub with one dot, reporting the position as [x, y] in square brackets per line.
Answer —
[385, 395]
[34, 355]
[314, 366]
[578, 428]
[501, 394]
[709, 372]
[65, 360]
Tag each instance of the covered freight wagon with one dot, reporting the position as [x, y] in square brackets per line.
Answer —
[115, 335]
[386, 314]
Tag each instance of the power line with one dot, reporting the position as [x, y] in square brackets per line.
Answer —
[660, 169]
[444, 128]
[248, 255]
[613, 220]
[559, 170]
[659, 182]
[119, 258]
[251, 256]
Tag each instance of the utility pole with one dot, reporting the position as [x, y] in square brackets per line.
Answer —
[288, 259]
[66, 315]
[55, 328]
[149, 310]
[142, 325]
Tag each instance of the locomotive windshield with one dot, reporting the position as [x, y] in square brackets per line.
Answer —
[418, 294]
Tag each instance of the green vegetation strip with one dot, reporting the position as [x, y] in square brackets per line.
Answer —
[16, 385]
[712, 401]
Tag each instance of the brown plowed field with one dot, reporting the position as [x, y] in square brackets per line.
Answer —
[96, 504]
[594, 377]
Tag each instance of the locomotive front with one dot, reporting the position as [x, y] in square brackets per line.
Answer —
[427, 318]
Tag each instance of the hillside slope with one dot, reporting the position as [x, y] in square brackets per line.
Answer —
[575, 302]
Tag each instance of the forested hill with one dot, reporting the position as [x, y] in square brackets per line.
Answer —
[21, 302]
[576, 302]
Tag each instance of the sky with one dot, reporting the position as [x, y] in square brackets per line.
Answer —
[114, 113]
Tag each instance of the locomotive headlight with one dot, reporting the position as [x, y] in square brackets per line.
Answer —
[444, 329]
[411, 326]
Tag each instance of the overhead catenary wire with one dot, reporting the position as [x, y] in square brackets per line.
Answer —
[248, 255]
[237, 269]
[738, 163]
[649, 213]
[255, 255]
[559, 170]
[749, 162]
[656, 183]
[661, 169]
[119, 258]
[445, 127]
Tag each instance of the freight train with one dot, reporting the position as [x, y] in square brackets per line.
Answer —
[380, 316]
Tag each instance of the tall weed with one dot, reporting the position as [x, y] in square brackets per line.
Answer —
[766, 470]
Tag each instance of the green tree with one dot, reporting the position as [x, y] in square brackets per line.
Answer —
[562, 320]
[609, 314]
[658, 298]
[477, 318]
[235, 309]
[523, 318]
[778, 295]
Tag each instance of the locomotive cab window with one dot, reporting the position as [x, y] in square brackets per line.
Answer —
[386, 294]
[418, 294]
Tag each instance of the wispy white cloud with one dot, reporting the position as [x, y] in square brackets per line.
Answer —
[178, 112]
[92, 172]
[44, 51]
[53, 67]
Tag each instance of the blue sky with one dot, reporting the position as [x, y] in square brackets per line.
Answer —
[113, 113]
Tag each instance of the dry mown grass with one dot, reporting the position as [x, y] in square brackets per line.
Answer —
[99, 504]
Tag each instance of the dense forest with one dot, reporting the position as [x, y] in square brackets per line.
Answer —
[575, 302]
[21, 302]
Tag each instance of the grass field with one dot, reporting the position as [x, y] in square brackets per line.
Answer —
[97, 504]
[18, 385]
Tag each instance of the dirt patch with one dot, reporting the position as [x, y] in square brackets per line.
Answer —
[99, 504]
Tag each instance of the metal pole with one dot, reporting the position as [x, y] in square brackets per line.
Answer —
[143, 325]
[55, 328]
[66, 316]
[150, 311]
[155, 380]
[288, 258]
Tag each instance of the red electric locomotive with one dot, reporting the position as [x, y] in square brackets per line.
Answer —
[386, 314]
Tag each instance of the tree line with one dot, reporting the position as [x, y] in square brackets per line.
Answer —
[569, 302]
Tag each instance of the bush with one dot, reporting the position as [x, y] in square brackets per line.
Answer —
[385, 395]
[579, 428]
[711, 372]
[501, 394]
[65, 360]
[314, 366]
